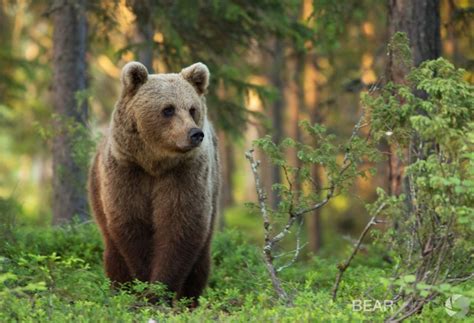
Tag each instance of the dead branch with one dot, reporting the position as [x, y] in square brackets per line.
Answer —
[268, 246]
[297, 249]
[411, 307]
[343, 267]
[294, 215]
[460, 279]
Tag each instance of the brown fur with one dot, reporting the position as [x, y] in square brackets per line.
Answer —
[154, 197]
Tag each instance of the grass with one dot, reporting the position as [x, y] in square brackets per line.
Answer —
[56, 275]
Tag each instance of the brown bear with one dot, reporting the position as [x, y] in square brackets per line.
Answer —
[154, 182]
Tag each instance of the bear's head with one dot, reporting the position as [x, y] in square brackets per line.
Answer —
[168, 110]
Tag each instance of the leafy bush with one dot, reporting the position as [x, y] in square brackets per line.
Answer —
[430, 119]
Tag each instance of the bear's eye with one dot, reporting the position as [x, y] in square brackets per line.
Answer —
[192, 111]
[168, 111]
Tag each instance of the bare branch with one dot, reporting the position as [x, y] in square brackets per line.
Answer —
[297, 249]
[294, 215]
[267, 249]
[260, 192]
[343, 267]
[317, 205]
[411, 307]
[460, 279]
[289, 252]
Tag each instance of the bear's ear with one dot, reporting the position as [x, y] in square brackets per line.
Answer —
[134, 75]
[198, 75]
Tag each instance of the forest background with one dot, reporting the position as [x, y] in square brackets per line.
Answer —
[273, 64]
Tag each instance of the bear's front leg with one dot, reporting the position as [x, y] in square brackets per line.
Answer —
[134, 242]
[115, 265]
[173, 259]
[197, 279]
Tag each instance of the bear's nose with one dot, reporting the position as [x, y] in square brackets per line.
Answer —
[196, 136]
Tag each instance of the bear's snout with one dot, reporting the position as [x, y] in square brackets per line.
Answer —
[195, 136]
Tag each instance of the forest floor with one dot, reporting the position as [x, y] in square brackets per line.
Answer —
[56, 275]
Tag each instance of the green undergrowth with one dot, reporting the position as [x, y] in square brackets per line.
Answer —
[56, 275]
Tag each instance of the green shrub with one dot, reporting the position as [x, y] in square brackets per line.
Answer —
[431, 121]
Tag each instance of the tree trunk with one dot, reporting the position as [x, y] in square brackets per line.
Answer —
[226, 153]
[421, 22]
[69, 59]
[298, 108]
[304, 61]
[450, 44]
[276, 79]
[4, 31]
[143, 10]
[314, 223]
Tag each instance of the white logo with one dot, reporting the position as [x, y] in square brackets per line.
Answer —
[457, 306]
[367, 305]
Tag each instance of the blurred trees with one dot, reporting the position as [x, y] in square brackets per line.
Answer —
[24, 105]
[69, 81]
[143, 10]
[273, 65]
[5, 52]
[277, 76]
[328, 52]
